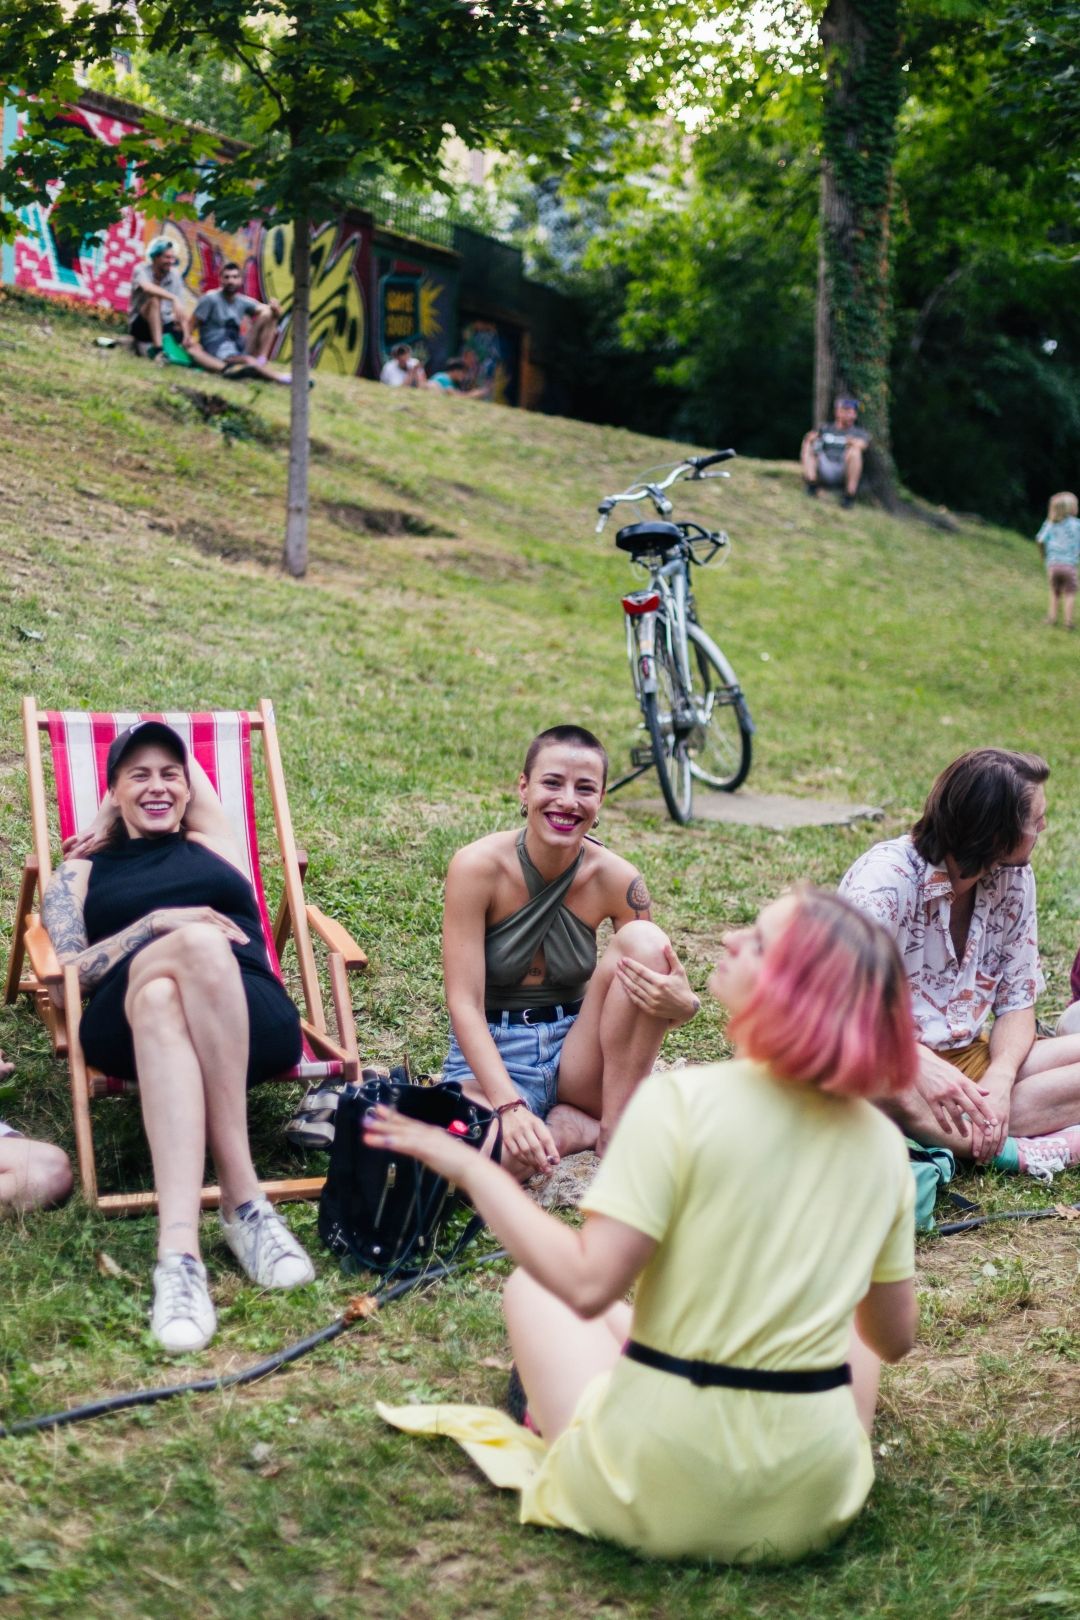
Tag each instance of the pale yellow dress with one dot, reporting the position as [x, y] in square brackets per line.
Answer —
[774, 1207]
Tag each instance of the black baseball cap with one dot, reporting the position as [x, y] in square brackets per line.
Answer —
[137, 736]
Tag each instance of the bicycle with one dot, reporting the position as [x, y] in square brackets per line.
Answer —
[692, 705]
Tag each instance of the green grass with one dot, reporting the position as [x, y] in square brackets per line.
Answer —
[408, 672]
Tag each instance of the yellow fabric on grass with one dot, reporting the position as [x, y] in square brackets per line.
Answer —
[774, 1206]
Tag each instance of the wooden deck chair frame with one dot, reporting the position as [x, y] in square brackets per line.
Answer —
[34, 970]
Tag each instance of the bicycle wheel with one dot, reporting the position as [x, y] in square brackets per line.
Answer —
[664, 710]
[719, 743]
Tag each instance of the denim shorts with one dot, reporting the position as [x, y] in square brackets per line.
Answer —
[530, 1054]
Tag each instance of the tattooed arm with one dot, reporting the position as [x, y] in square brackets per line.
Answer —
[62, 914]
[638, 899]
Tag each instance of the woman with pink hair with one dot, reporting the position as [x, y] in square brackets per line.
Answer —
[764, 1209]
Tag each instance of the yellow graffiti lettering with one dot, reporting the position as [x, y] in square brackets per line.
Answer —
[430, 324]
[337, 304]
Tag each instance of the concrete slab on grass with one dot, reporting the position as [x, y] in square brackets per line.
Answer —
[776, 811]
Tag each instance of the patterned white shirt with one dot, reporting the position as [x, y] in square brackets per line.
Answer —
[1000, 970]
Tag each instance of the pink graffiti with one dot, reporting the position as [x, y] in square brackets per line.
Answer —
[98, 269]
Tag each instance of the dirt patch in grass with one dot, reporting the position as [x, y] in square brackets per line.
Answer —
[215, 541]
[999, 1341]
[388, 521]
[231, 417]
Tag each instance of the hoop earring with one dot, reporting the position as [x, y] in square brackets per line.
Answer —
[524, 811]
[596, 823]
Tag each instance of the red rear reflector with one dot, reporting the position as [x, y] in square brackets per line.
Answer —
[641, 602]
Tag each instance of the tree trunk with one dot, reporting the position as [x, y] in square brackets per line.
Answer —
[295, 559]
[824, 391]
[860, 42]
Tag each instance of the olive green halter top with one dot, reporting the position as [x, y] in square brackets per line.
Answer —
[511, 946]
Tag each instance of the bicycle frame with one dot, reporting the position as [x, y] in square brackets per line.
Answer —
[681, 679]
[671, 584]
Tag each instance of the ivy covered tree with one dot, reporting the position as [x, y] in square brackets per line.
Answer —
[329, 91]
[861, 57]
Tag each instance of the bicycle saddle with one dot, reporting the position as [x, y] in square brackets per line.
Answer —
[654, 536]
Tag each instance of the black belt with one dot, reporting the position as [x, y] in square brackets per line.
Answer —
[780, 1382]
[532, 1015]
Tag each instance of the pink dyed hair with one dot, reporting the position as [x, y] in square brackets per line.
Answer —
[831, 1007]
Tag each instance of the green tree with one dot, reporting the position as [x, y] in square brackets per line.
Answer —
[330, 90]
[986, 357]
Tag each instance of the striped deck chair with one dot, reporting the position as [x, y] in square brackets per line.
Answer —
[222, 744]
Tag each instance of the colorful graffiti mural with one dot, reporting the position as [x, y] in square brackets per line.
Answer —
[416, 303]
[339, 255]
[370, 289]
[98, 268]
[491, 352]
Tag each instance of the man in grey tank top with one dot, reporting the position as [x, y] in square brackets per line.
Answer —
[223, 345]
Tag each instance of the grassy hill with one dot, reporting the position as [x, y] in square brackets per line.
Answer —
[458, 600]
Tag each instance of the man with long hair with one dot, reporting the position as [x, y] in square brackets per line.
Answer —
[958, 895]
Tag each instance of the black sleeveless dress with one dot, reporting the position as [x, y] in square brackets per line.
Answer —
[127, 882]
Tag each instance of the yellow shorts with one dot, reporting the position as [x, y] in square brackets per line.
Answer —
[972, 1060]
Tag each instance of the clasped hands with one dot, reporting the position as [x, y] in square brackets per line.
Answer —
[977, 1112]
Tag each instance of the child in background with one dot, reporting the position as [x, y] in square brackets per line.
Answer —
[1060, 540]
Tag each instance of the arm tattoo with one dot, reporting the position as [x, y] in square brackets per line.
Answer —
[62, 915]
[637, 896]
[98, 959]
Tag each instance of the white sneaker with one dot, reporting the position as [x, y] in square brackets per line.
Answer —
[265, 1247]
[183, 1316]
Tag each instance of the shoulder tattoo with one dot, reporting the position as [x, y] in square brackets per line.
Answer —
[637, 896]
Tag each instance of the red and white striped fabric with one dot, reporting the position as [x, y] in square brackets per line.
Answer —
[221, 742]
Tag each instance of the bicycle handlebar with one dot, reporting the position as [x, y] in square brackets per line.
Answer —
[693, 466]
[699, 463]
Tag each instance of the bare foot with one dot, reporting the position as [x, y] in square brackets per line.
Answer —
[574, 1131]
[6, 1068]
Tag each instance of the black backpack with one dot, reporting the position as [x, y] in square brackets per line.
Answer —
[382, 1212]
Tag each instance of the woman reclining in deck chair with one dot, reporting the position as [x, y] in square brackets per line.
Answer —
[154, 910]
[761, 1206]
[553, 1039]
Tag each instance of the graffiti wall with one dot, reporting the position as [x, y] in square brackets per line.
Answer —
[492, 351]
[340, 258]
[370, 288]
[416, 303]
[99, 268]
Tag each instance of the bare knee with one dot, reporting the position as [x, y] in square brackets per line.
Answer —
[202, 951]
[154, 1003]
[40, 1176]
[1069, 1022]
[644, 941]
[48, 1178]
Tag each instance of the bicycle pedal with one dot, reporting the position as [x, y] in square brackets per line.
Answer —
[641, 757]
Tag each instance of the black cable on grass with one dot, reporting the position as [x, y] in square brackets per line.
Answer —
[262, 1369]
[382, 1296]
[1054, 1212]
